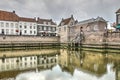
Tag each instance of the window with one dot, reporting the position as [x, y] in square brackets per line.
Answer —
[30, 27]
[7, 24]
[34, 32]
[2, 24]
[51, 29]
[34, 27]
[30, 32]
[12, 31]
[25, 27]
[20, 26]
[2, 31]
[7, 31]
[25, 31]
[48, 28]
[45, 28]
[25, 58]
[12, 25]
[119, 19]
[16, 25]
[42, 27]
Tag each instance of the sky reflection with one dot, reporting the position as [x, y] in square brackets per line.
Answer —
[56, 73]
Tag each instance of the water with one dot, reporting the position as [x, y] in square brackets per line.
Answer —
[59, 64]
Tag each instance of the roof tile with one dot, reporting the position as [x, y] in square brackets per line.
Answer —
[8, 16]
[41, 21]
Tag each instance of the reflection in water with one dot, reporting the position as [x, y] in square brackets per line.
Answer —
[61, 64]
[57, 74]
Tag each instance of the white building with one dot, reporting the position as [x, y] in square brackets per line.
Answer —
[12, 24]
[27, 26]
[8, 23]
[46, 27]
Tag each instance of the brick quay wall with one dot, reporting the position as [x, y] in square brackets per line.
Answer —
[28, 39]
[101, 37]
[27, 42]
[102, 40]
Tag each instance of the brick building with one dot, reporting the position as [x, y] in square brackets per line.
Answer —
[66, 29]
[92, 25]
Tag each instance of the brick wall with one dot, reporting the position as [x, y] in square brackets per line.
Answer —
[13, 39]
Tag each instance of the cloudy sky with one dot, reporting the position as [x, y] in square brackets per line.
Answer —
[57, 9]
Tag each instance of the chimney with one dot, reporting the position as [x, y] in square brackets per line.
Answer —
[13, 11]
[71, 16]
[38, 18]
[50, 19]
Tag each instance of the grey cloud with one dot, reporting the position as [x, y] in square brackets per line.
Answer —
[57, 9]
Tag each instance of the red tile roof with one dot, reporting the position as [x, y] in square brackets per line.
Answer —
[41, 21]
[27, 19]
[8, 16]
[66, 21]
[118, 11]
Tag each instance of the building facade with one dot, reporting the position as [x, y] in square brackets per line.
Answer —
[92, 25]
[9, 22]
[12, 24]
[46, 27]
[66, 29]
[118, 19]
[27, 26]
[118, 16]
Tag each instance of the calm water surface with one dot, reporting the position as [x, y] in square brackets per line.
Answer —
[59, 64]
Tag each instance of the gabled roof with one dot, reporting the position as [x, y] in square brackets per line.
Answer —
[27, 19]
[118, 11]
[92, 20]
[41, 21]
[66, 21]
[8, 16]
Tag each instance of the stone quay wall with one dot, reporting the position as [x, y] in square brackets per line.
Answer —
[28, 39]
[101, 37]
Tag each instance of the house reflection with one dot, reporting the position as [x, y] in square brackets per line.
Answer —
[86, 61]
[93, 63]
[12, 66]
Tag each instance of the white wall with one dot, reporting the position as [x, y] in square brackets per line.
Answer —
[31, 28]
[9, 27]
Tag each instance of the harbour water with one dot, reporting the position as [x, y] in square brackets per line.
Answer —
[59, 64]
